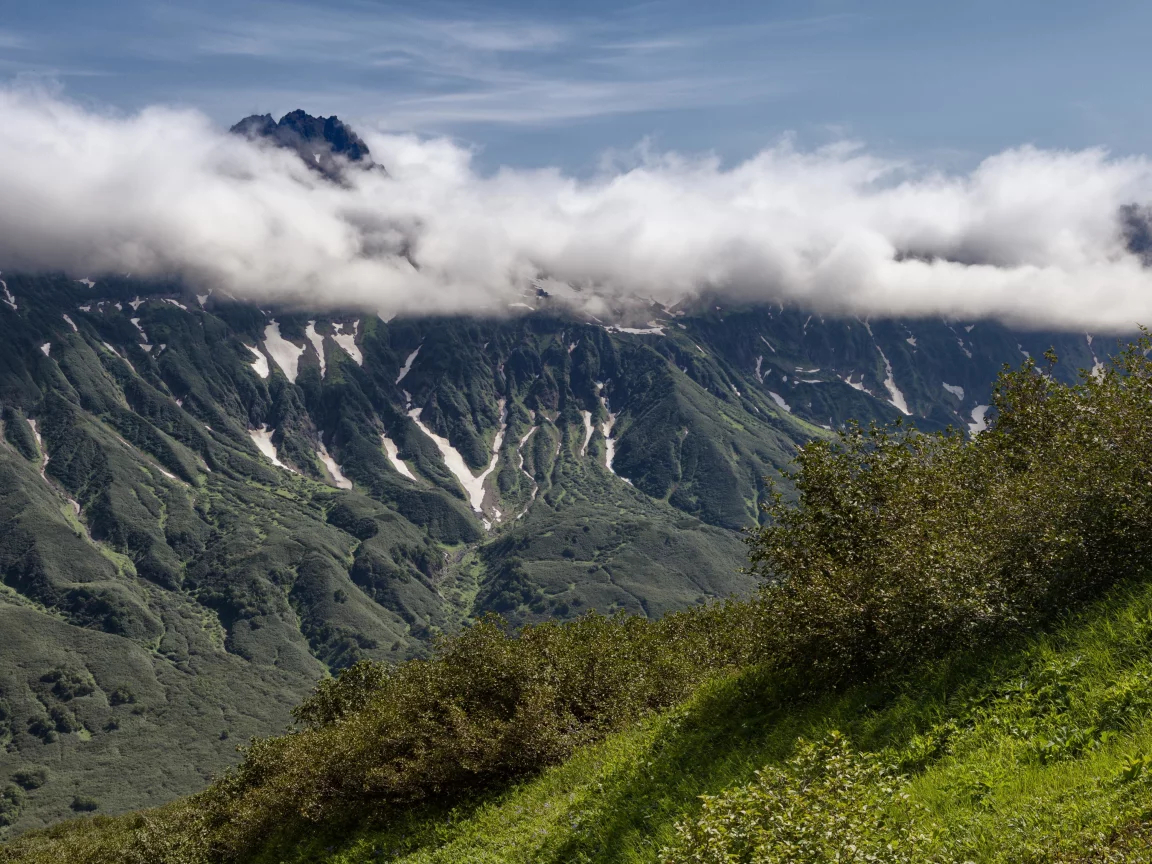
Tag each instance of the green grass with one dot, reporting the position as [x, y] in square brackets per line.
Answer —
[979, 735]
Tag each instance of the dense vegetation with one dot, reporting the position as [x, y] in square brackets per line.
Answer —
[905, 558]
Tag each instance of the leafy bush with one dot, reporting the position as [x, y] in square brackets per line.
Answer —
[829, 803]
[489, 707]
[30, 778]
[903, 545]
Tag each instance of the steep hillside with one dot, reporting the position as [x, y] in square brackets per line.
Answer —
[207, 506]
[953, 668]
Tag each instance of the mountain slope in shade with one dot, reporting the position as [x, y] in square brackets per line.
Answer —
[204, 507]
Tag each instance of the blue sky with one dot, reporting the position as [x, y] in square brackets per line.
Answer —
[533, 84]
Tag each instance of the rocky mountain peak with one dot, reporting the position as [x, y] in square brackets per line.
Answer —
[326, 144]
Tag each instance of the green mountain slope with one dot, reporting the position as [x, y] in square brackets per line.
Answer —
[205, 507]
[951, 666]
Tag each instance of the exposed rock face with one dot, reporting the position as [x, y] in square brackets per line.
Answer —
[326, 144]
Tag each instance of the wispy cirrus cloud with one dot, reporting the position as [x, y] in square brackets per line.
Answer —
[430, 73]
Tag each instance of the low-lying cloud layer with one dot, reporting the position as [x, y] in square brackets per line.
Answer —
[1031, 237]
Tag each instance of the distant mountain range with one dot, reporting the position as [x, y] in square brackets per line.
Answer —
[205, 505]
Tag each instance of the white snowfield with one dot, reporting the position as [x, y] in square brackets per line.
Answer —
[955, 390]
[779, 400]
[393, 453]
[520, 456]
[897, 401]
[979, 423]
[587, 415]
[654, 328]
[71, 324]
[176, 303]
[47, 349]
[318, 345]
[8, 298]
[408, 364]
[260, 363]
[473, 484]
[262, 438]
[342, 482]
[606, 429]
[347, 341]
[285, 353]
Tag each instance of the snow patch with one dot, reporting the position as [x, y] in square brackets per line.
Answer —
[136, 324]
[47, 349]
[911, 340]
[956, 390]
[317, 344]
[759, 362]
[342, 482]
[606, 429]
[520, 456]
[393, 453]
[897, 398]
[963, 348]
[978, 424]
[203, 298]
[1020, 348]
[262, 438]
[71, 323]
[260, 363]
[136, 304]
[587, 415]
[176, 303]
[856, 385]
[347, 341]
[285, 353]
[968, 329]
[473, 484]
[653, 329]
[88, 283]
[779, 400]
[769, 344]
[407, 367]
[8, 298]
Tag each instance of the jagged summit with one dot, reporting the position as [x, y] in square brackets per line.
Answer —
[324, 143]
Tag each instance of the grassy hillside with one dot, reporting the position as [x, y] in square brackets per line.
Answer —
[1037, 750]
[948, 662]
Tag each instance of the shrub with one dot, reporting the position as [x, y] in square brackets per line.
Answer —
[829, 803]
[904, 545]
[30, 778]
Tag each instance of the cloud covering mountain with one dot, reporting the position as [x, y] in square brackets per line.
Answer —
[1031, 237]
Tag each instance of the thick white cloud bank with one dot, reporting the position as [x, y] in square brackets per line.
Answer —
[1030, 237]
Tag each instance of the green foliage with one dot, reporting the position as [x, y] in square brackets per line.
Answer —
[30, 778]
[827, 803]
[904, 545]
